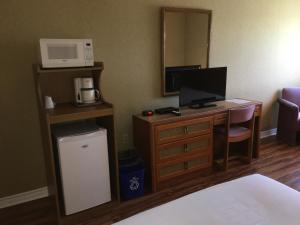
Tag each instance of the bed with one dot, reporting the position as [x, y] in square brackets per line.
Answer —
[250, 200]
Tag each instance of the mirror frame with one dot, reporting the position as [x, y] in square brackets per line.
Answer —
[165, 10]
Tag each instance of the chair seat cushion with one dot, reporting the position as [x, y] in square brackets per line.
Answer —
[235, 131]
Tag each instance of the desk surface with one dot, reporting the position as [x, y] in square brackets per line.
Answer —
[188, 113]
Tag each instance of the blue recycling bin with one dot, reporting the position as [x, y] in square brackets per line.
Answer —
[131, 172]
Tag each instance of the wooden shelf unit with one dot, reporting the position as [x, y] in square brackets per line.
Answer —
[98, 66]
[65, 112]
[58, 83]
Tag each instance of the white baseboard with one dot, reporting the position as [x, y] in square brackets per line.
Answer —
[268, 133]
[23, 197]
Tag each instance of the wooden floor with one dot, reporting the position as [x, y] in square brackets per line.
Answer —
[277, 160]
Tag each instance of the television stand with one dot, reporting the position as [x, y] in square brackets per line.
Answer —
[176, 149]
[199, 106]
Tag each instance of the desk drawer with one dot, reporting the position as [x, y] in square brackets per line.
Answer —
[184, 147]
[220, 118]
[184, 129]
[173, 169]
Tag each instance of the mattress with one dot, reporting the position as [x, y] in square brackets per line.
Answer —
[250, 200]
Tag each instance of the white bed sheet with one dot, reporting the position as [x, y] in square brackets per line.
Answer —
[250, 200]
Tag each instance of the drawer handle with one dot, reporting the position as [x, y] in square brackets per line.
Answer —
[186, 130]
[186, 148]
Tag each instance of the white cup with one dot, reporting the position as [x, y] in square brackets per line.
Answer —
[49, 104]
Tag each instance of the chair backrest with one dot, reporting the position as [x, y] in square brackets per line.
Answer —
[292, 95]
[241, 114]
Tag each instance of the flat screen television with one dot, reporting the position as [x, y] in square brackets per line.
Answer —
[198, 88]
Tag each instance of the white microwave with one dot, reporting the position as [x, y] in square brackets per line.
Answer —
[66, 53]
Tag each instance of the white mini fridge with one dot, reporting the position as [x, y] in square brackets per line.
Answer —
[84, 166]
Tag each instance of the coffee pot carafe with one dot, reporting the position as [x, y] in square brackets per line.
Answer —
[85, 93]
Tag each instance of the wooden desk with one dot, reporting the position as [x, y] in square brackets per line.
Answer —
[176, 146]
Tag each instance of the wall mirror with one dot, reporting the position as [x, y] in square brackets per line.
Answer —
[185, 44]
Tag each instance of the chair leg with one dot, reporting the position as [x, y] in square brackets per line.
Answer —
[226, 155]
[250, 150]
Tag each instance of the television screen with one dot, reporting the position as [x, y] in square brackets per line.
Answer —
[203, 86]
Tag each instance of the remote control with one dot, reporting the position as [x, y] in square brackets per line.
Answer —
[165, 110]
[176, 113]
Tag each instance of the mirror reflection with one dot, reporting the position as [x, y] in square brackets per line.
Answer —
[185, 44]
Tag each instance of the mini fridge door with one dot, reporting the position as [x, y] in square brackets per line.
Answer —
[84, 168]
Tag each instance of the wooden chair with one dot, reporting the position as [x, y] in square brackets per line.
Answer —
[239, 127]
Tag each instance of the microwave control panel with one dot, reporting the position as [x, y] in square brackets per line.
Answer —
[88, 53]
